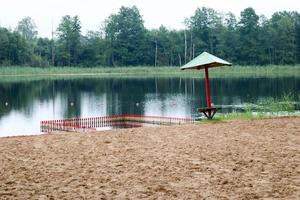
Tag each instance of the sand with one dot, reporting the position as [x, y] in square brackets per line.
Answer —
[255, 159]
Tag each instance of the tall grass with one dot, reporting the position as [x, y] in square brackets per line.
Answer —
[277, 105]
[270, 107]
[233, 71]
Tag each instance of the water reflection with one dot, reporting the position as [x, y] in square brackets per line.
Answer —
[24, 104]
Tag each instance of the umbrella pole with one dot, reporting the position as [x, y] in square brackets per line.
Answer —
[207, 87]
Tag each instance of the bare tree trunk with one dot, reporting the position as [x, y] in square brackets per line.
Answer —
[191, 47]
[179, 59]
[185, 47]
[155, 62]
[270, 56]
[193, 51]
[69, 56]
[210, 44]
[9, 57]
[52, 48]
[112, 59]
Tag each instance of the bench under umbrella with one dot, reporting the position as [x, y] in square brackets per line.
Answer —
[205, 61]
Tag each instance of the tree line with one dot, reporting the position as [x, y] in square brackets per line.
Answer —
[124, 41]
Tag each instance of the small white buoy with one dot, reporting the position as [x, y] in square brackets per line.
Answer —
[6, 104]
[137, 104]
[71, 104]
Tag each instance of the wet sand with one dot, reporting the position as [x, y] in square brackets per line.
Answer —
[255, 159]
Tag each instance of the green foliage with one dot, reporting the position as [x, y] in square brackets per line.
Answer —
[236, 115]
[27, 28]
[270, 107]
[204, 26]
[275, 106]
[38, 61]
[283, 32]
[4, 46]
[93, 51]
[167, 54]
[69, 40]
[249, 46]
[124, 41]
[126, 34]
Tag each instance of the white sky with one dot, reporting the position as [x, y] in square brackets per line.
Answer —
[170, 13]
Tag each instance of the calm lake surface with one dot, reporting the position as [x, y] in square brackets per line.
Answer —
[24, 104]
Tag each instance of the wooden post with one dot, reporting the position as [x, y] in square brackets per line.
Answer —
[207, 87]
[209, 113]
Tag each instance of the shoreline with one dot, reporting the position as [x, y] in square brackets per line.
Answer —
[197, 123]
[241, 159]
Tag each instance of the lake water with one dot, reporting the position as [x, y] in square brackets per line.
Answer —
[24, 104]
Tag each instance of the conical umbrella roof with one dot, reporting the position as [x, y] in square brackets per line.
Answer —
[205, 60]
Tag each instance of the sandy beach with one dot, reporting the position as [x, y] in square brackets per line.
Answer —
[247, 159]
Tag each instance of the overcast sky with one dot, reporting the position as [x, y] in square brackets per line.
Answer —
[170, 13]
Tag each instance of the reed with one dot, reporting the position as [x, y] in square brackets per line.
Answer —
[233, 71]
[266, 108]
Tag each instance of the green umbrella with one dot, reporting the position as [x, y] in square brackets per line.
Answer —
[205, 61]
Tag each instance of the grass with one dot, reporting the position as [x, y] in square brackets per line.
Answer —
[270, 107]
[234, 71]
[248, 116]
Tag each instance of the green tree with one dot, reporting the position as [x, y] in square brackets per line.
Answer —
[27, 28]
[125, 41]
[93, 52]
[69, 36]
[227, 38]
[297, 30]
[4, 46]
[13, 48]
[249, 37]
[167, 46]
[204, 26]
[42, 53]
[177, 47]
[162, 45]
[126, 35]
[283, 37]
[265, 43]
[19, 52]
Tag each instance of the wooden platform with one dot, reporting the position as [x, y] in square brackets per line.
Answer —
[209, 112]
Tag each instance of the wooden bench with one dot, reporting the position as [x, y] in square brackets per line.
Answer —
[209, 112]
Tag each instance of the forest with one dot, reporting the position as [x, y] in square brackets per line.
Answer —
[248, 39]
